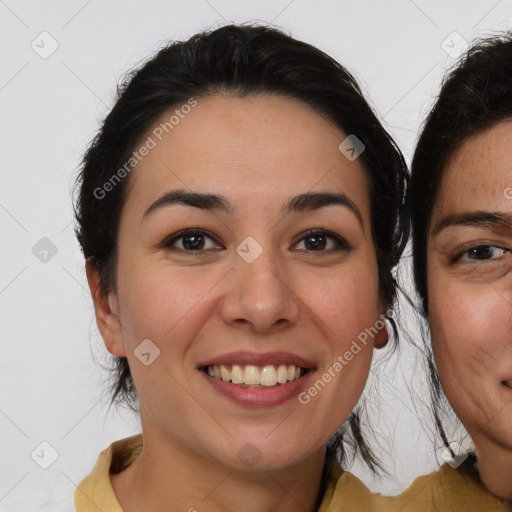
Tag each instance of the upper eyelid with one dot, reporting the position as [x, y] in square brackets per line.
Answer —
[329, 234]
[340, 240]
[480, 231]
[459, 253]
[187, 232]
[455, 244]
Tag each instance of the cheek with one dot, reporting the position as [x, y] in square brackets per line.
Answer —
[160, 303]
[470, 326]
[345, 308]
[169, 308]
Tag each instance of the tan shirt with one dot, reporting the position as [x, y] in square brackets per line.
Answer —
[446, 490]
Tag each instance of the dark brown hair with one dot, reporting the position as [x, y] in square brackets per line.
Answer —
[475, 95]
[241, 60]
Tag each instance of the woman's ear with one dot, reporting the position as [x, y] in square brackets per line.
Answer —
[380, 340]
[106, 308]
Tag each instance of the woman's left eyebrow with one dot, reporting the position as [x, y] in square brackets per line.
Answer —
[479, 219]
[302, 202]
[317, 200]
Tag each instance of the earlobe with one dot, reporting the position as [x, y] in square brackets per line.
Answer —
[382, 337]
[105, 306]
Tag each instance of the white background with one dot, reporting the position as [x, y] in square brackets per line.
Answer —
[52, 383]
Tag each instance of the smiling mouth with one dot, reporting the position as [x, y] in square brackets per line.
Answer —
[253, 376]
[507, 383]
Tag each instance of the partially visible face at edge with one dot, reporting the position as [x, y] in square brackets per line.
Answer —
[469, 265]
[309, 294]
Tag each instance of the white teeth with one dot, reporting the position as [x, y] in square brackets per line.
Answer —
[268, 376]
[282, 374]
[237, 374]
[251, 375]
[224, 373]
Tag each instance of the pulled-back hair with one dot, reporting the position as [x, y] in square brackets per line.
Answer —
[241, 61]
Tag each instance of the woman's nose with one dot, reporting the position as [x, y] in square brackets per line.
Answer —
[258, 296]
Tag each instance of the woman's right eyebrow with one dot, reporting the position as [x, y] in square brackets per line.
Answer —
[302, 202]
[196, 199]
[478, 219]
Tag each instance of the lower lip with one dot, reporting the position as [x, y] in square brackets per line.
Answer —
[259, 397]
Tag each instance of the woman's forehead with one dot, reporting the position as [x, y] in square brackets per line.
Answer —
[243, 132]
[266, 146]
[478, 174]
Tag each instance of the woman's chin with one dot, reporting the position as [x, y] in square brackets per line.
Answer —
[257, 453]
[494, 462]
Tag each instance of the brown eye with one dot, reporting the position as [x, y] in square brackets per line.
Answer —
[318, 241]
[191, 240]
[482, 253]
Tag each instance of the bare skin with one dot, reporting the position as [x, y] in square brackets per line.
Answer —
[308, 297]
[470, 297]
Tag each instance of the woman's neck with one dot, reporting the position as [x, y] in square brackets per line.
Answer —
[169, 477]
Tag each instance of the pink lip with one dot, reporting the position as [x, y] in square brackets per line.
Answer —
[259, 397]
[258, 359]
[262, 397]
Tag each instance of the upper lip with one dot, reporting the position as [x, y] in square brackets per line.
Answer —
[258, 359]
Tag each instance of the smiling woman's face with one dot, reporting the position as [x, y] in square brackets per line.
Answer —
[470, 295]
[245, 250]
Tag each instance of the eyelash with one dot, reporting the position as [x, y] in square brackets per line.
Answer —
[169, 242]
[476, 245]
[341, 243]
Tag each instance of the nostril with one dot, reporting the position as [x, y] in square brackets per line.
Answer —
[241, 321]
